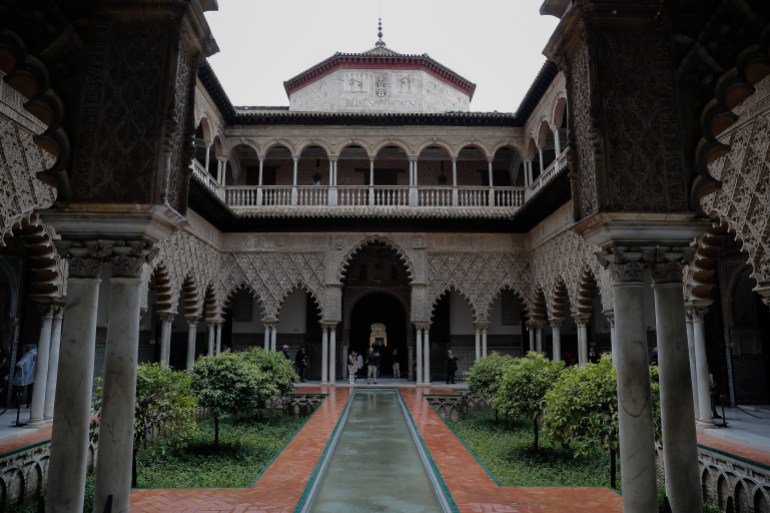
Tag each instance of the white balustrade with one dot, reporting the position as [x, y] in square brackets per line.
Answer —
[203, 177]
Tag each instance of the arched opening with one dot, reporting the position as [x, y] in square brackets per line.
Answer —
[243, 326]
[383, 308]
[242, 166]
[761, 500]
[204, 153]
[750, 337]
[313, 177]
[376, 290]
[436, 177]
[299, 325]
[452, 328]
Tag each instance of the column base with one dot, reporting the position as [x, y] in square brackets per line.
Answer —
[324, 383]
[705, 424]
[423, 384]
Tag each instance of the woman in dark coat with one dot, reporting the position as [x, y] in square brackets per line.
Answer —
[451, 367]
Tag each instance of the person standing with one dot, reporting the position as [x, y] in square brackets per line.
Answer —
[300, 363]
[451, 367]
[25, 372]
[352, 367]
[396, 365]
[285, 351]
[372, 362]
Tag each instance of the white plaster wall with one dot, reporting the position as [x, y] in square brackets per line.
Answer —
[354, 90]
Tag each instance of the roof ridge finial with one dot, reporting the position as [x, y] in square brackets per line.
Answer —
[380, 42]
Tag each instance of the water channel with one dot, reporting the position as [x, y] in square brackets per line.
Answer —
[375, 463]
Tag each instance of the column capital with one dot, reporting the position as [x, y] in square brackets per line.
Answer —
[128, 257]
[667, 263]
[626, 264]
[44, 305]
[329, 324]
[85, 258]
[193, 321]
[581, 320]
[167, 316]
[697, 312]
[422, 325]
[555, 323]
[610, 315]
[481, 325]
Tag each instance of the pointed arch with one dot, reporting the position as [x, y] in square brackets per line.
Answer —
[191, 297]
[446, 292]
[370, 241]
[499, 292]
[538, 307]
[211, 311]
[301, 285]
[587, 287]
[164, 302]
[559, 301]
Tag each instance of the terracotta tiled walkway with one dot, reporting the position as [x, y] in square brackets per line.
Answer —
[280, 488]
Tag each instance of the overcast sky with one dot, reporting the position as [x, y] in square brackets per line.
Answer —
[496, 44]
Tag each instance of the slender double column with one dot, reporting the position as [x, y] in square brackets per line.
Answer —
[688, 311]
[702, 366]
[531, 332]
[53, 362]
[46, 309]
[218, 337]
[69, 437]
[680, 451]
[582, 332]
[167, 323]
[212, 341]
[332, 354]
[426, 355]
[478, 341]
[556, 342]
[539, 337]
[116, 423]
[484, 333]
[324, 355]
[418, 344]
[192, 332]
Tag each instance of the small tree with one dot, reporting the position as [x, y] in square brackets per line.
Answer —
[163, 397]
[229, 384]
[278, 369]
[484, 377]
[523, 386]
[582, 410]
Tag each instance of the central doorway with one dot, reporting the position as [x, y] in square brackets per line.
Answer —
[380, 307]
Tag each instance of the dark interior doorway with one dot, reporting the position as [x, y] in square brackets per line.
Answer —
[386, 309]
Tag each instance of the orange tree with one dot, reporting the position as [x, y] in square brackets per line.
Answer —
[523, 387]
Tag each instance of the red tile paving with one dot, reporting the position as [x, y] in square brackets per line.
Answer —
[744, 451]
[280, 487]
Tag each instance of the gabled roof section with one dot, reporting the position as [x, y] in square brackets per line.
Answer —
[380, 57]
[276, 115]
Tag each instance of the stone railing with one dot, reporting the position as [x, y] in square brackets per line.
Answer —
[453, 407]
[261, 198]
[200, 175]
[555, 169]
[297, 403]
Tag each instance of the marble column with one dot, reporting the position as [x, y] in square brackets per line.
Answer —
[531, 331]
[484, 332]
[325, 355]
[167, 320]
[332, 355]
[192, 332]
[218, 346]
[274, 337]
[691, 350]
[116, 424]
[610, 315]
[211, 338]
[539, 338]
[69, 437]
[637, 436]
[53, 362]
[582, 329]
[680, 449]
[426, 356]
[266, 342]
[556, 329]
[478, 342]
[418, 344]
[701, 362]
[41, 363]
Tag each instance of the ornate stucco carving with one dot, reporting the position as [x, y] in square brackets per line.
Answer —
[478, 277]
[743, 201]
[21, 193]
